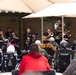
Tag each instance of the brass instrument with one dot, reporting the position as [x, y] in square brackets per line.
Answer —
[27, 41]
[51, 34]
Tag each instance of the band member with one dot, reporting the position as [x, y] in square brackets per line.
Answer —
[67, 34]
[48, 34]
[58, 33]
[33, 39]
[27, 39]
[8, 33]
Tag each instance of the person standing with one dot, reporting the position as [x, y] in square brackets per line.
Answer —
[27, 39]
[8, 33]
[49, 33]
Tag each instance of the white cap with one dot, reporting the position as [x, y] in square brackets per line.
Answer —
[51, 39]
[38, 42]
[10, 48]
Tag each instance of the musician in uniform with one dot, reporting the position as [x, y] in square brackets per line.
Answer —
[27, 39]
[67, 34]
[49, 33]
[58, 33]
[8, 33]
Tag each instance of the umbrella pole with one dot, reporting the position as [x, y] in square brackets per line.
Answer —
[62, 27]
[41, 29]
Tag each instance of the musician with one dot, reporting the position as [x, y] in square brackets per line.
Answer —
[33, 39]
[27, 39]
[58, 33]
[49, 33]
[8, 33]
[67, 34]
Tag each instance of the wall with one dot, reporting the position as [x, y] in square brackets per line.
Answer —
[11, 22]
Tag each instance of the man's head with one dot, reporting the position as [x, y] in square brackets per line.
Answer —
[48, 30]
[34, 48]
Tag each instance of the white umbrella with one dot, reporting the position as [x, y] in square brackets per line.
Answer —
[14, 5]
[37, 5]
[22, 6]
[57, 9]
[62, 1]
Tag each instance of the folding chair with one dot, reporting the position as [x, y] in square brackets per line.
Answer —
[63, 59]
[9, 62]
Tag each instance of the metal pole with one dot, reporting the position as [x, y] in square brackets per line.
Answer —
[62, 27]
[41, 28]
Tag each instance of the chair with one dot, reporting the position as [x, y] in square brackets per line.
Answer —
[63, 59]
[49, 72]
[9, 62]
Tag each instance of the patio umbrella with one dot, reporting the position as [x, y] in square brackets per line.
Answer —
[14, 5]
[58, 9]
[31, 6]
[62, 1]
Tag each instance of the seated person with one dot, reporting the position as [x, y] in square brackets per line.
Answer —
[63, 46]
[63, 57]
[33, 61]
[42, 51]
[52, 41]
[48, 46]
[74, 45]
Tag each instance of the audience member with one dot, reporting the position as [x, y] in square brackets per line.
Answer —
[2, 35]
[33, 61]
[42, 51]
[2, 39]
[64, 45]
[52, 41]
[48, 46]
[74, 45]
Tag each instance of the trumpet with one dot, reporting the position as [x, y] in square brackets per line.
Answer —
[51, 34]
